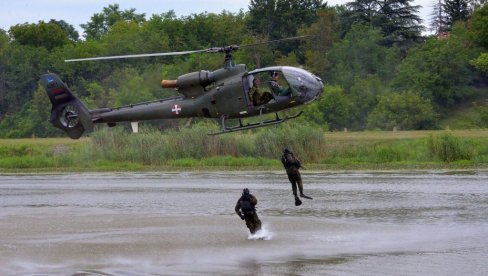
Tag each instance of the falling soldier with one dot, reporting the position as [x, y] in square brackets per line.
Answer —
[246, 209]
[292, 166]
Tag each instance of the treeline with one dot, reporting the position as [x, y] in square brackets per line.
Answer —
[380, 71]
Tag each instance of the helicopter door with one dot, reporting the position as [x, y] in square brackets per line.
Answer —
[229, 99]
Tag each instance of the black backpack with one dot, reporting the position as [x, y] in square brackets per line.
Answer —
[246, 206]
[291, 160]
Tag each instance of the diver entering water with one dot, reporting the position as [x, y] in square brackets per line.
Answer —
[246, 209]
[292, 166]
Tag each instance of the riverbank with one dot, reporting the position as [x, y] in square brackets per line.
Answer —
[193, 150]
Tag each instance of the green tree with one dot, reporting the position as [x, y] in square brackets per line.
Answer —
[478, 27]
[276, 19]
[397, 19]
[359, 55]
[130, 88]
[98, 96]
[40, 115]
[438, 19]
[23, 65]
[271, 18]
[169, 26]
[439, 70]
[47, 35]
[19, 124]
[402, 111]
[4, 43]
[335, 107]
[323, 36]
[456, 10]
[364, 95]
[481, 63]
[125, 37]
[4, 40]
[100, 23]
[256, 57]
[73, 34]
[215, 29]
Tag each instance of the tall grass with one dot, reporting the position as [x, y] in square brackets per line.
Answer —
[375, 152]
[154, 148]
[450, 148]
[191, 148]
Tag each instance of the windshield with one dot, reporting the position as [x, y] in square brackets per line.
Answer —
[300, 80]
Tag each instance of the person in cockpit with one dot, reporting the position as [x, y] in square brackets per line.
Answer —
[256, 95]
[278, 89]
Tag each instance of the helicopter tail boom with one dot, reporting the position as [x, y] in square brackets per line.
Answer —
[68, 112]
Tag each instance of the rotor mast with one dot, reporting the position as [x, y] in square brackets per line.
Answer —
[227, 50]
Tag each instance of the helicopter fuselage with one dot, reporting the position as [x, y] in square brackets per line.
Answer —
[221, 93]
[224, 94]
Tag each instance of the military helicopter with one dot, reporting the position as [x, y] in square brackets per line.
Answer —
[223, 94]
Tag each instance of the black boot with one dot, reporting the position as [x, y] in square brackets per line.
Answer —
[302, 195]
[298, 202]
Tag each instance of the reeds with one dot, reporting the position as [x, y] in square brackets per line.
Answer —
[192, 148]
[450, 148]
[151, 147]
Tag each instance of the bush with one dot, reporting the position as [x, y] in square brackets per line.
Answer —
[151, 147]
[449, 148]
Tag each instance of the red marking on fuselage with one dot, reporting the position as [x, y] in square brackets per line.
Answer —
[58, 90]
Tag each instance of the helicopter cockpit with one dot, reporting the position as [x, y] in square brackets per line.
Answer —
[280, 84]
[266, 87]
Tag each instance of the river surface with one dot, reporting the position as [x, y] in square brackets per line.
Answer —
[392, 223]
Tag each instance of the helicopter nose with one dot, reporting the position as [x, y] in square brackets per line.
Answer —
[313, 87]
[303, 83]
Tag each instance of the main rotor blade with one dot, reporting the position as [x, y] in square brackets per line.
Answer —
[277, 40]
[137, 56]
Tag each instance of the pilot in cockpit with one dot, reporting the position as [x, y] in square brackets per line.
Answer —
[276, 87]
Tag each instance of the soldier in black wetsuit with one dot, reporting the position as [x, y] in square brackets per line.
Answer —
[292, 166]
[246, 209]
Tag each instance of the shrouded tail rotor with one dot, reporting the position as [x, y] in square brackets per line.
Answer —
[68, 112]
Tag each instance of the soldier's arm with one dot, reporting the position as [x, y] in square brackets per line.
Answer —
[238, 209]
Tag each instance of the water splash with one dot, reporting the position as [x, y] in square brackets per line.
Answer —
[263, 234]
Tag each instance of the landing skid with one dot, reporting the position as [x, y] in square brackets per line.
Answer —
[262, 123]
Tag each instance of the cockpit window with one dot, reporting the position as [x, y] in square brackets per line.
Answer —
[300, 80]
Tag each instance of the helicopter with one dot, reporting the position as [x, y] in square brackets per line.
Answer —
[221, 94]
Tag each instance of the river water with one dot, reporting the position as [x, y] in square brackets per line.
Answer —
[391, 223]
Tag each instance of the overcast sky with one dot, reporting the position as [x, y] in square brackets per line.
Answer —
[76, 12]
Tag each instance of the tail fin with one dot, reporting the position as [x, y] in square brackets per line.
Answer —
[68, 112]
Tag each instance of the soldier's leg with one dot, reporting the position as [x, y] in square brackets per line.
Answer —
[300, 186]
[257, 223]
[293, 181]
[293, 184]
[299, 183]
[298, 202]
[249, 223]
